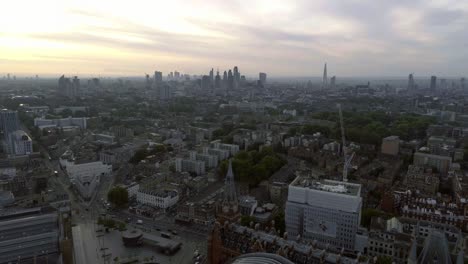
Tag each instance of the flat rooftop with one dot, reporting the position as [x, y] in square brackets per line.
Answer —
[330, 186]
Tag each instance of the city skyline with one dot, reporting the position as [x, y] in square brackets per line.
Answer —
[280, 38]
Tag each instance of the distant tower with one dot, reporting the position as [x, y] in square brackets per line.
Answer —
[333, 82]
[147, 82]
[236, 78]
[212, 77]
[410, 82]
[262, 77]
[217, 83]
[462, 83]
[433, 83]
[325, 78]
[230, 80]
[230, 205]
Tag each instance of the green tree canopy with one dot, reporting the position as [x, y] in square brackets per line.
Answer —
[118, 196]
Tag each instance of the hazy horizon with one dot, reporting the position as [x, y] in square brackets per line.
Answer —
[287, 39]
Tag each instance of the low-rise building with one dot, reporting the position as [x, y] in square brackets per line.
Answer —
[158, 198]
[80, 122]
[422, 179]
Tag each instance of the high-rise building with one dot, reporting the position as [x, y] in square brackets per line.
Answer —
[324, 210]
[176, 75]
[158, 77]
[410, 82]
[236, 76]
[9, 120]
[325, 78]
[212, 77]
[433, 82]
[217, 83]
[262, 78]
[147, 82]
[67, 87]
[462, 83]
[333, 82]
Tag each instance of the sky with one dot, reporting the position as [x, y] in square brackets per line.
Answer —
[279, 37]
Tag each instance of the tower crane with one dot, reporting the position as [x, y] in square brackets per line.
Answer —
[346, 159]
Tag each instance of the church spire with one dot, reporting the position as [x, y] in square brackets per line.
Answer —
[230, 196]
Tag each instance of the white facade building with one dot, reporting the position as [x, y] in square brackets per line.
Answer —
[324, 210]
[160, 198]
[20, 143]
[86, 176]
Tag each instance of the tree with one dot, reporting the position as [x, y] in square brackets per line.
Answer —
[118, 196]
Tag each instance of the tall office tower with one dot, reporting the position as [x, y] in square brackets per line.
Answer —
[433, 82]
[75, 88]
[176, 75]
[410, 82]
[9, 120]
[236, 76]
[147, 82]
[225, 80]
[230, 205]
[205, 83]
[8, 76]
[333, 82]
[230, 80]
[212, 77]
[217, 83]
[324, 210]
[262, 78]
[158, 77]
[170, 76]
[462, 83]
[443, 84]
[325, 78]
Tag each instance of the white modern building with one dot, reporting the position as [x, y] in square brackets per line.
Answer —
[133, 189]
[19, 143]
[324, 210]
[158, 198]
[86, 176]
[80, 122]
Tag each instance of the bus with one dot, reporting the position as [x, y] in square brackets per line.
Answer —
[166, 235]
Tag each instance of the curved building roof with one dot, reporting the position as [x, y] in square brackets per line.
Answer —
[260, 258]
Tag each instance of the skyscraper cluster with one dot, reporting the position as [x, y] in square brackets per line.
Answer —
[230, 80]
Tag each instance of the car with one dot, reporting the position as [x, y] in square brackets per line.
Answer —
[158, 229]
